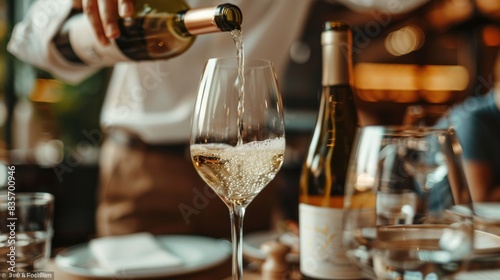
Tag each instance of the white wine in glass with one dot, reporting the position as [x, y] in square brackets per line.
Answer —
[238, 135]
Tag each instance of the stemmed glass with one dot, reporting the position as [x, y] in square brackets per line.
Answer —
[408, 210]
[238, 136]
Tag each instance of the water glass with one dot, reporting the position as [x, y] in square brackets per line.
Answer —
[408, 206]
[25, 231]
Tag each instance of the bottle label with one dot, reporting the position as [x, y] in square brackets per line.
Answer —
[321, 251]
[87, 47]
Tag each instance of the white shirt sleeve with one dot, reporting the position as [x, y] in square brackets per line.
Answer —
[31, 40]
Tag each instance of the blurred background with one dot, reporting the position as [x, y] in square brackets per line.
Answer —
[409, 68]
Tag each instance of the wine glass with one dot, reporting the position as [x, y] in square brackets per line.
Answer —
[238, 135]
[408, 210]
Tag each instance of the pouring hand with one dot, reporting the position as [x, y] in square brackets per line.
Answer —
[103, 16]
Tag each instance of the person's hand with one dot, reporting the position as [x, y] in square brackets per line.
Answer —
[103, 16]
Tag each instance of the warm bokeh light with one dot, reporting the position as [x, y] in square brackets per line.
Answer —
[405, 40]
[444, 14]
[379, 76]
[443, 78]
[437, 97]
[407, 83]
[491, 36]
[47, 90]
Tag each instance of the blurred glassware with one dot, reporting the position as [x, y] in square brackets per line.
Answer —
[25, 229]
[424, 115]
[408, 211]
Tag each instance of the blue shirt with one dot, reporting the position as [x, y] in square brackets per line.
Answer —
[477, 124]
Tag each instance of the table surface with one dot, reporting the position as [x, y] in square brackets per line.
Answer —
[481, 268]
[490, 270]
[219, 272]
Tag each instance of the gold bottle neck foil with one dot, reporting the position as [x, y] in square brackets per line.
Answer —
[225, 17]
[200, 21]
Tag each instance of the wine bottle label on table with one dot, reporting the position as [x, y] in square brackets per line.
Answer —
[321, 252]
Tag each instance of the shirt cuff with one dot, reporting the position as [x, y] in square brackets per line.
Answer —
[31, 40]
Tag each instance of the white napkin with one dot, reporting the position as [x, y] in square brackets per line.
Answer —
[134, 253]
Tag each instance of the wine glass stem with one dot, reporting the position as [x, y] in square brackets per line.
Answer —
[237, 213]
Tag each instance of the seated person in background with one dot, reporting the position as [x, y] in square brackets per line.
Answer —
[477, 124]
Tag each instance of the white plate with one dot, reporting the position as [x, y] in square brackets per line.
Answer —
[253, 241]
[490, 211]
[197, 253]
[486, 243]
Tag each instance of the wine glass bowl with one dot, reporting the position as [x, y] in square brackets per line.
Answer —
[404, 207]
[238, 135]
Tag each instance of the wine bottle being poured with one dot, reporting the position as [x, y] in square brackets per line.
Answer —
[159, 30]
